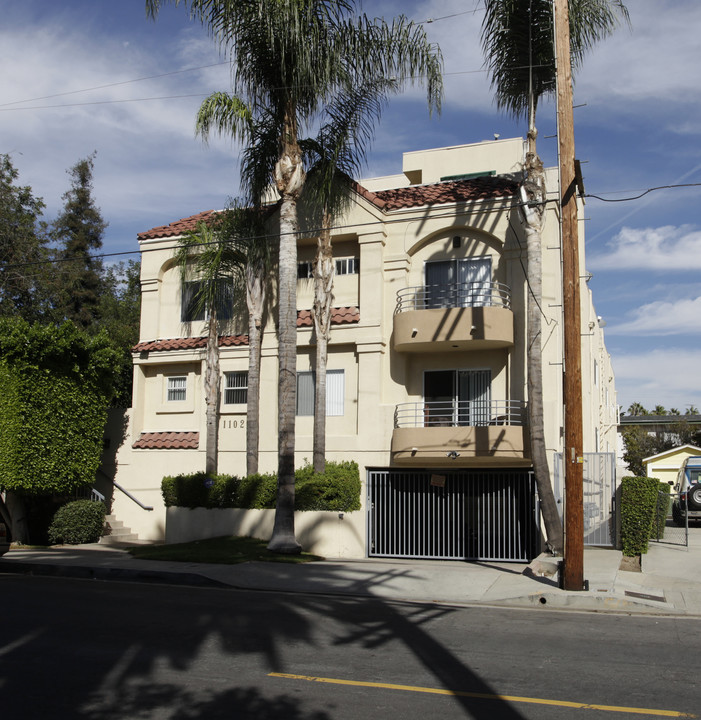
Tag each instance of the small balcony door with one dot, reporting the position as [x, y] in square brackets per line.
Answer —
[457, 397]
[458, 283]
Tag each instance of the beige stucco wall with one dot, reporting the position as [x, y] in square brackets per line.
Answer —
[392, 249]
[332, 535]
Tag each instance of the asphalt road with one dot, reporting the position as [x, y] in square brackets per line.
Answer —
[112, 650]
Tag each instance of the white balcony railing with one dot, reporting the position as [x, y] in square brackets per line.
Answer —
[454, 295]
[475, 413]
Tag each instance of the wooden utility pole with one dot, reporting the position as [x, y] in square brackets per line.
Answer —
[573, 577]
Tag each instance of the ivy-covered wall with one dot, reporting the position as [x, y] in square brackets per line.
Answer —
[56, 383]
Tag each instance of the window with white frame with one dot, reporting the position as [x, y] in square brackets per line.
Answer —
[348, 266]
[344, 266]
[177, 388]
[335, 392]
[236, 388]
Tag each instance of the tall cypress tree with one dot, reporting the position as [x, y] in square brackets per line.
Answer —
[78, 231]
[23, 253]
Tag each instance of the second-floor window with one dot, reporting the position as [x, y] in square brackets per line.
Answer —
[236, 388]
[344, 266]
[194, 311]
[458, 283]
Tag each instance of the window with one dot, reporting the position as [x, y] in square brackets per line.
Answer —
[459, 283]
[457, 397]
[347, 266]
[177, 388]
[236, 389]
[335, 392]
[191, 309]
[344, 266]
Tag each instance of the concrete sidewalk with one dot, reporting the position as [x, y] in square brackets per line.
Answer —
[670, 581]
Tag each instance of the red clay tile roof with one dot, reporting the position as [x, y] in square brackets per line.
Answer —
[481, 188]
[187, 440]
[188, 343]
[339, 316]
[179, 227]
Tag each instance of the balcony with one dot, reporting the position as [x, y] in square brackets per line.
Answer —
[463, 316]
[460, 434]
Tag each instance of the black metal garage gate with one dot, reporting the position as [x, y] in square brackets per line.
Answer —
[468, 515]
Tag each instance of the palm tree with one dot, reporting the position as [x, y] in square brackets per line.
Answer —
[334, 157]
[517, 40]
[290, 59]
[205, 261]
[243, 228]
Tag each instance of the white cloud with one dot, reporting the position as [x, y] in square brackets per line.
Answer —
[663, 318]
[662, 248]
[668, 377]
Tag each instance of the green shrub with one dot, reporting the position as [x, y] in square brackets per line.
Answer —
[638, 508]
[80, 521]
[199, 490]
[257, 492]
[660, 519]
[336, 489]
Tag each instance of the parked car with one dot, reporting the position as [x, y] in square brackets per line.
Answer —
[687, 504]
[4, 542]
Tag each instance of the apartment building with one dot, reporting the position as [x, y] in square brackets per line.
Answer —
[427, 386]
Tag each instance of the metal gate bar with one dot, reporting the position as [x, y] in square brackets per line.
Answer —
[468, 515]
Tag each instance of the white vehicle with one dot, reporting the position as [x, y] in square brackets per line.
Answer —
[687, 505]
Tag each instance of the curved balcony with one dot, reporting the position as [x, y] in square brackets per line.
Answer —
[459, 434]
[462, 316]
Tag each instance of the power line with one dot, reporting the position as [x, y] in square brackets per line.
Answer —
[115, 84]
[642, 194]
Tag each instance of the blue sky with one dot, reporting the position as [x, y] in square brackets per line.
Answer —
[637, 126]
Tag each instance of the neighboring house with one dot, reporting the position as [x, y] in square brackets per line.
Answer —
[426, 367]
[665, 465]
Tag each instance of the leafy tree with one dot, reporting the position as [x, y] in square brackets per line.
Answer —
[55, 385]
[290, 59]
[119, 314]
[78, 230]
[518, 43]
[24, 272]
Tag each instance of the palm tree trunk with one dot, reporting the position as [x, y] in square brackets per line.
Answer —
[255, 299]
[289, 175]
[321, 313]
[211, 389]
[533, 189]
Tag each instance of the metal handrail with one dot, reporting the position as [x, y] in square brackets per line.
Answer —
[471, 413]
[454, 295]
[126, 492]
[131, 497]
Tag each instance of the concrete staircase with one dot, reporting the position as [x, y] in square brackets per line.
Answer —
[116, 534]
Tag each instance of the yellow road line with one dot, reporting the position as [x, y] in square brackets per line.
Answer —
[486, 696]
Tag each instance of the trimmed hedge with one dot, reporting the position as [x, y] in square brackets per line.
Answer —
[81, 521]
[56, 383]
[638, 511]
[336, 489]
[660, 520]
